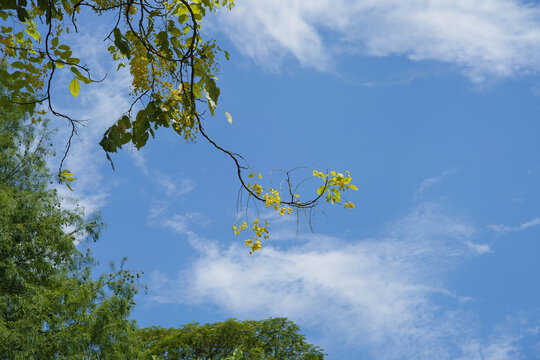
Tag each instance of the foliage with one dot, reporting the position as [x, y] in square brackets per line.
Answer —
[173, 69]
[269, 339]
[50, 307]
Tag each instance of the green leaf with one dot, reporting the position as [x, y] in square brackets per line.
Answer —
[163, 40]
[110, 160]
[80, 76]
[73, 61]
[321, 189]
[31, 30]
[181, 9]
[59, 64]
[125, 122]
[182, 19]
[212, 89]
[74, 87]
[175, 31]
[114, 135]
[125, 138]
[17, 65]
[54, 41]
[121, 44]
[66, 54]
[22, 14]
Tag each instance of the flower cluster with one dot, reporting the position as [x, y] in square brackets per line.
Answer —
[284, 210]
[260, 231]
[256, 188]
[239, 228]
[334, 184]
[273, 199]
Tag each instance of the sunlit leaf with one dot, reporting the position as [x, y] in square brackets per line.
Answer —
[229, 117]
[74, 87]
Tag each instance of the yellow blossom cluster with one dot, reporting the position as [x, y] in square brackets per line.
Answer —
[239, 228]
[273, 199]
[284, 210]
[334, 184]
[8, 44]
[139, 69]
[260, 231]
[252, 174]
[254, 245]
[342, 182]
[256, 188]
[349, 205]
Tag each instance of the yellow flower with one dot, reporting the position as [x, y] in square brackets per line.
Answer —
[319, 174]
[273, 199]
[257, 189]
[349, 205]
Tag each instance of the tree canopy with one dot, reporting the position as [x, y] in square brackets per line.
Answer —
[50, 306]
[269, 339]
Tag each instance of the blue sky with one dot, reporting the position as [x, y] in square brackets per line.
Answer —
[434, 107]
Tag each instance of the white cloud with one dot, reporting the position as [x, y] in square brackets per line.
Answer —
[429, 182]
[479, 248]
[370, 292]
[181, 223]
[140, 161]
[99, 105]
[487, 38]
[171, 188]
[500, 348]
[86, 158]
[526, 225]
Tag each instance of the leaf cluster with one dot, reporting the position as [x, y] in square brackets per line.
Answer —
[269, 339]
[51, 307]
[173, 69]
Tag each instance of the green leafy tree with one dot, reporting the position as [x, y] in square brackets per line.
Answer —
[50, 306]
[174, 72]
[270, 339]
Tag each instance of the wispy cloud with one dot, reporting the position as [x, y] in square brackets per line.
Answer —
[514, 338]
[366, 292]
[486, 39]
[523, 226]
[479, 248]
[100, 104]
[172, 188]
[182, 223]
[502, 347]
[429, 182]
